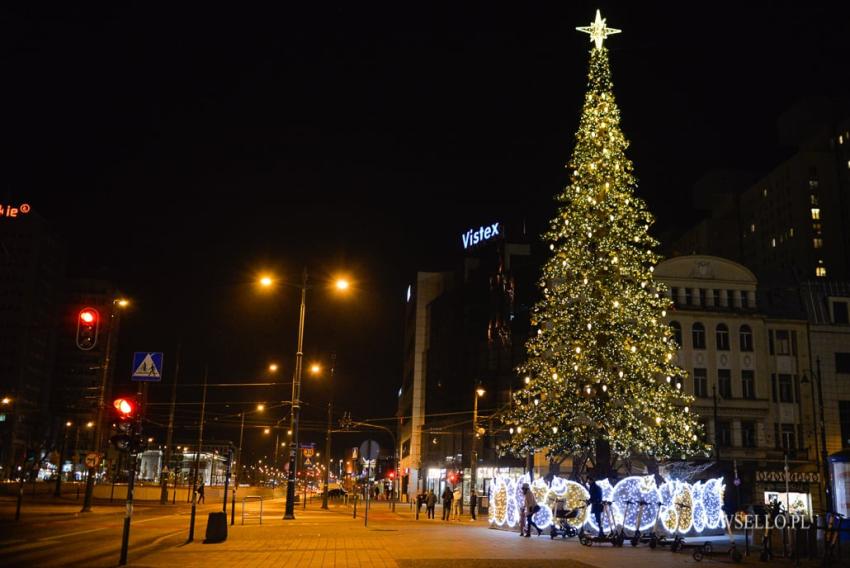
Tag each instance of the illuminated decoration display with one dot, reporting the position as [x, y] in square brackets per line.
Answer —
[600, 378]
[677, 506]
[7, 211]
[598, 30]
[627, 495]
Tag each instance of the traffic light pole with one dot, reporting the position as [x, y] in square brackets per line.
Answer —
[135, 433]
[289, 513]
[128, 513]
[114, 319]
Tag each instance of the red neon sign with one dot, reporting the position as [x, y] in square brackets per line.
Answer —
[11, 211]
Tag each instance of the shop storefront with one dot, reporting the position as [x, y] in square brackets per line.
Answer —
[795, 496]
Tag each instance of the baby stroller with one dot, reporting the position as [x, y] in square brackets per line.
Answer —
[561, 525]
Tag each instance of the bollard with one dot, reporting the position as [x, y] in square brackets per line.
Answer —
[355, 506]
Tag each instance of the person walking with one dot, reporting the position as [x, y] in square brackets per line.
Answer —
[531, 507]
[201, 492]
[430, 503]
[473, 503]
[596, 506]
[447, 503]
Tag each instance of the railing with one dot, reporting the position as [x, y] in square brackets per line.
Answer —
[250, 514]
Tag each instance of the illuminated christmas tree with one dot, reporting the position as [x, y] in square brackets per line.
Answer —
[600, 382]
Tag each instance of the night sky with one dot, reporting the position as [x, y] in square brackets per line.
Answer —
[181, 150]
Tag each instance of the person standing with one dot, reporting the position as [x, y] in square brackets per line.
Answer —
[447, 503]
[596, 506]
[430, 503]
[457, 500]
[473, 503]
[531, 507]
[201, 492]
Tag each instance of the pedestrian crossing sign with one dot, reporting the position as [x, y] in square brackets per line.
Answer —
[147, 366]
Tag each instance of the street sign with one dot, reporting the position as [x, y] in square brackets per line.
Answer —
[308, 452]
[92, 459]
[307, 462]
[369, 450]
[147, 366]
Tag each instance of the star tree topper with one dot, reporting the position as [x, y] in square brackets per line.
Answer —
[598, 30]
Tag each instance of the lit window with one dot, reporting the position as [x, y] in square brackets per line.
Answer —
[817, 242]
[814, 199]
[752, 227]
[848, 164]
[840, 139]
[764, 192]
[815, 213]
[791, 232]
[820, 271]
[773, 242]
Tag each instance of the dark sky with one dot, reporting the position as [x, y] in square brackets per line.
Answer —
[181, 149]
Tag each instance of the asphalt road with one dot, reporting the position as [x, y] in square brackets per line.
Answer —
[54, 532]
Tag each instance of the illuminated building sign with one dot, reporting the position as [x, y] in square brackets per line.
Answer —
[484, 233]
[12, 211]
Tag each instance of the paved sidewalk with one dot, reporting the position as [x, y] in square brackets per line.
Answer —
[318, 538]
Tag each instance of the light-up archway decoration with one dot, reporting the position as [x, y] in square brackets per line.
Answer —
[676, 506]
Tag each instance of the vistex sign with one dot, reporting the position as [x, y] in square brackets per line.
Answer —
[484, 233]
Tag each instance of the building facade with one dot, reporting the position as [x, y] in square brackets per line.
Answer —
[791, 223]
[464, 333]
[745, 369]
[32, 269]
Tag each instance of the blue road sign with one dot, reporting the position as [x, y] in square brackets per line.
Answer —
[146, 367]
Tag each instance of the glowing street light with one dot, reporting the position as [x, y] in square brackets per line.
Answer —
[122, 302]
[261, 407]
[315, 369]
[267, 430]
[266, 281]
[273, 367]
[6, 400]
[342, 284]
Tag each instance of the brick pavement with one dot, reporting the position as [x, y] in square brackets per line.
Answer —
[318, 538]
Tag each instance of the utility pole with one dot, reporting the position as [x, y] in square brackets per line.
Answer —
[163, 496]
[328, 435]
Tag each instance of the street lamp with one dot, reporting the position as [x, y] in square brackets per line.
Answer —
[58, 492]
[479, 392]
[266, 281]
[273, 367]
[6, 400]
[315, 368]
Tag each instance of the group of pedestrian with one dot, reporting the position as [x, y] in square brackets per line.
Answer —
[452, 503]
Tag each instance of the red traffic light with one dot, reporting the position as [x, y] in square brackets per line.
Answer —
[88, 316]
[125, 407]
[391, 475]
[88, 324]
